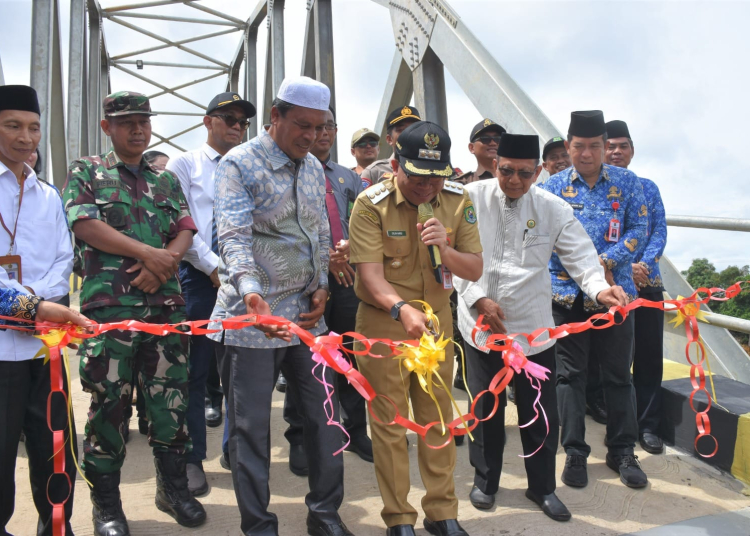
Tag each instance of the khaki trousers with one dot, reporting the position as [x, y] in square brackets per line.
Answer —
[389, 446]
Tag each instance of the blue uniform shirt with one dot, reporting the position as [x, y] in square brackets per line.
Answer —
[593, 208]
[652, 248]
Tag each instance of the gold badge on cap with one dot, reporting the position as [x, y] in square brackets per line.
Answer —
[405, 110]
[236, 97]
[431, 140]
[341, 180]
[488, 122]
[531, 224]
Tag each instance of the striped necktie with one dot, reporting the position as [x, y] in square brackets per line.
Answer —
[214, 232]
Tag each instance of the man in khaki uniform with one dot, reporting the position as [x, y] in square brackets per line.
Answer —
[394, 267]
[364, 149]
[483, 143]
[395, 123]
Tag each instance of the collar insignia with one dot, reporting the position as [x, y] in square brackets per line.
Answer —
[569, 191]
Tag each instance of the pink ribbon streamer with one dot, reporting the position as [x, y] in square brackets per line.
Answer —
[328, 406]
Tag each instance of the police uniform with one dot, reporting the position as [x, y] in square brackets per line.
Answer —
[148, 206]
[383, 230]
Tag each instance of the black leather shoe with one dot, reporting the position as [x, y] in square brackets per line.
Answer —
[197, 483]
[213, 416]
[316, 527]
[598, 411]
[575, 474]
[108, 517]
[298, 460]
[224, 461]
[630, 470]
[550, 505]
[361, 445]
[172, 494]
[458, 382]
[651, 443]
[447, 527]
[281, 384]
[480, 499]
[459, 439]
[400, 530]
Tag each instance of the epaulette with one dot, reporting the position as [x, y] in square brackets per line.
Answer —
[453, 187]
[377, 192]
[386, 175]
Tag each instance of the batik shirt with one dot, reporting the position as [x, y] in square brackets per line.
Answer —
[141, 203]
[272, 225]
[653, 245]
[593, 208]
[17, 304]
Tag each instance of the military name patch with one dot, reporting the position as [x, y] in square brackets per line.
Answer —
[397, 233]
[100, 184]
[470, 215]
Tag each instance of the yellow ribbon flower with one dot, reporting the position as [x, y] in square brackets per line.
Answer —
[691, 309]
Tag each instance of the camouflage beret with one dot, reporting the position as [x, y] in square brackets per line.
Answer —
[126, 103]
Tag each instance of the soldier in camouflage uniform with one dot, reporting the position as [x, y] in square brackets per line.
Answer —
[132, 226]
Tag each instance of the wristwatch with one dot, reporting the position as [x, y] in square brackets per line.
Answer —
[396, 310]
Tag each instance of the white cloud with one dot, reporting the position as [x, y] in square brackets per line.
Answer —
[674, 71]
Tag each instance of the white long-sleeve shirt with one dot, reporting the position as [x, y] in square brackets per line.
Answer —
[517, 242]
[44, 245]
[195, 171]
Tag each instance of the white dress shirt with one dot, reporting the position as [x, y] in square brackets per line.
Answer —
[44, 245]
[195, 171]
[517, 241]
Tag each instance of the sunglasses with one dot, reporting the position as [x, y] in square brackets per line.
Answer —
[231, 120]
[509, 172]
[366, 143]
[488, 139]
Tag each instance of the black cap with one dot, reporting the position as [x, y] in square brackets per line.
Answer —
[587, 124]
[230, 98]
[21, 98]
[553, 143]
[617, 129]
[519, 146]
[424, 149]
[483, 126]
[402, 114]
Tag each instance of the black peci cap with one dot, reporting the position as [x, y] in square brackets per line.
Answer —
[402, 114]
[519, 146]
[617, 129]
[587, 124]
[424, 149]
[483, 126]
[553, 143]
[21, 98]
[230, 98]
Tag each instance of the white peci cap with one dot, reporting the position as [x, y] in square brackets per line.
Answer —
[305, 92]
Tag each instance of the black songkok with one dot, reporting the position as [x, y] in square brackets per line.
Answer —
[519, 146]
[588, 124]
[19, 98]
[617, 129]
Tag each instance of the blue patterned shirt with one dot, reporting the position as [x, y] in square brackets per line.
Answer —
[652, 247]
[17, 304]
[593, 208]
[272, 226]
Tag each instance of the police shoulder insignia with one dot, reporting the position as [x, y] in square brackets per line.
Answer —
[378, 192]
[470, 214]
[453, 187]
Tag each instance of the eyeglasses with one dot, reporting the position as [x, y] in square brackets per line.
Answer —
[366, 143]
[488, 139]
[330, 127]
[424, 181]
[509, 172]
[231, 120]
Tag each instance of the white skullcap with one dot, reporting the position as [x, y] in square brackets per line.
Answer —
[305, 92]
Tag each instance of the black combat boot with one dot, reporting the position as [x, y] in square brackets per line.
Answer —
[109, 519]
[172, 493]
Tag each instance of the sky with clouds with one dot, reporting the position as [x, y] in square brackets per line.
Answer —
[675, 71]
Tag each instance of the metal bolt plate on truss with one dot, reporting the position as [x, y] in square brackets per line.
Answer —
[413, 21]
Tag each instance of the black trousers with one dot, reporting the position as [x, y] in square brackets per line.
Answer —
[24, 388]
[486, 451]
[340, 317]
[614, 346]
[248, 376]
[648, 362]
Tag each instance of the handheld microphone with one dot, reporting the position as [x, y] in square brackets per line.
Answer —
[426, 213]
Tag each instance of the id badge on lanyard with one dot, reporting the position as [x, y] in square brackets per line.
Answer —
[613, 235]
[12, 263]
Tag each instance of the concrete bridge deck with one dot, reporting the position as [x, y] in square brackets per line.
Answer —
[681, 488]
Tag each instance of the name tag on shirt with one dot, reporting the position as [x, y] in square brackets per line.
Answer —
[12, 265]
[614, 230]
[447, 278]
[576, 206]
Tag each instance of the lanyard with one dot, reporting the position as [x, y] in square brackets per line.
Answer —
[15, 226]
